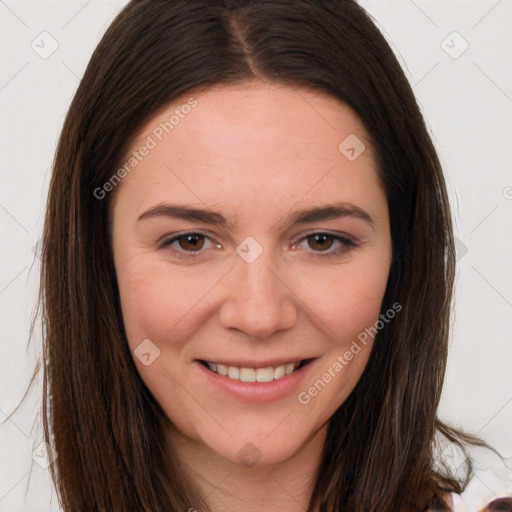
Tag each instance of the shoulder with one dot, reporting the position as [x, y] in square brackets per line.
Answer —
[440, 503]
[490, 487]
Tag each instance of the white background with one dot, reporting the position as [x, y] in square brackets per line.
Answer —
[467, 102]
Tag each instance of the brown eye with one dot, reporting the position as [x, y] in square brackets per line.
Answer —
[191, 245]
[191, 241]
[325, 245]
[321, 241]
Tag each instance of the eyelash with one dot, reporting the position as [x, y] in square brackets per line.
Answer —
[347, 244]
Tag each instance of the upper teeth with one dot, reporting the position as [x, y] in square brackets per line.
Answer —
[253, 374]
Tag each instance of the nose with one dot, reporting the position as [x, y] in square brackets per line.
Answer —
[258, 299]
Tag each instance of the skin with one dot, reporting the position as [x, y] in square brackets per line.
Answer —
[255, 153]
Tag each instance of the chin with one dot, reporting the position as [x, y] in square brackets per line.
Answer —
[258, 450]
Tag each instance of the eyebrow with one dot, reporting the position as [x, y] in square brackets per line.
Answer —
[307, 216]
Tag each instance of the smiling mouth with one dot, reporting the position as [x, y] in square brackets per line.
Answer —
[246, 374]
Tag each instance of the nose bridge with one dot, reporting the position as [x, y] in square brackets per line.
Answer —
[258, 302]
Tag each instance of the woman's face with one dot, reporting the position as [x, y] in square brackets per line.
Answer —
[246, 237]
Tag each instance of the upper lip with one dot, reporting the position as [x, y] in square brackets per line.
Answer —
[241, 363]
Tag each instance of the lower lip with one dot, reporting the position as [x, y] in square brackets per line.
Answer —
[256, 392]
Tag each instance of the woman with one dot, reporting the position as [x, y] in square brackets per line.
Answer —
[247, 269]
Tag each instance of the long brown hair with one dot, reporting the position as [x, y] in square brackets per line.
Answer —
[106, 427]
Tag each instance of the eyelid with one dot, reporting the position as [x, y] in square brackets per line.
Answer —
[334, 234]
[168, 240]
[173, 236]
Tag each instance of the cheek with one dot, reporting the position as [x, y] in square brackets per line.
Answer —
[352, 307]
[157, 301]
[362, 299]
[345, 299]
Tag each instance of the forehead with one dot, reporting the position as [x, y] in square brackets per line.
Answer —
[250, 140]
[271, 114]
